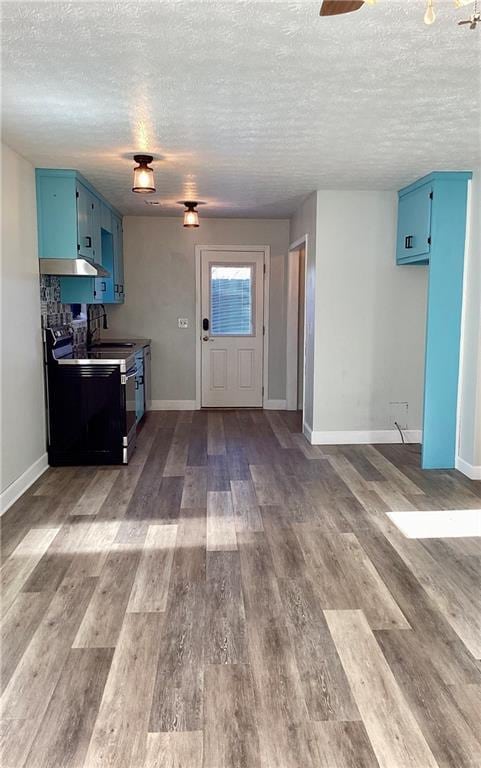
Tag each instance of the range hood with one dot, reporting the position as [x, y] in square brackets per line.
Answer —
[72, 268]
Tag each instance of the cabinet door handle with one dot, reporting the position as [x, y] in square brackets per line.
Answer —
[408, 242]
[88, 242]
[103, 286]
[121, 288]
[116, 288]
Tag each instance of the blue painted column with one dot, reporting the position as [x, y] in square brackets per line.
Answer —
[444, 312]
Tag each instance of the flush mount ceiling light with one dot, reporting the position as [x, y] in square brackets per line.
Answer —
[338, 7]
[143, 175]
[191, 216]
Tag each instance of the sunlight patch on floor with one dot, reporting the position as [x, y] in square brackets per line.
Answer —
[438, 524]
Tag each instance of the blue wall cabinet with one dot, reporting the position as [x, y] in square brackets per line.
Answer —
[414, 225]
[88, 219]
[446, 213]
[105, 217]
[75, 220]
[117, 235]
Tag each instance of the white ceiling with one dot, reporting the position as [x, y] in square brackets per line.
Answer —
[249, 105]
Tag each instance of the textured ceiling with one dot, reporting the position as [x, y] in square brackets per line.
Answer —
[248, 105]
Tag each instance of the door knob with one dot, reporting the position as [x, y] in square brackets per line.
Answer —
[205, 338]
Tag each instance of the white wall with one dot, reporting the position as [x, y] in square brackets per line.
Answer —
[370, 316]
[304, 222]
[22, 394]
[160, 284]
[469, 448]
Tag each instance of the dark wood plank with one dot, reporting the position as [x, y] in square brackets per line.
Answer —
[259, 583]
[450, 657]
[18, 628]
[446, 731]
[231, 737]
[103, 619]
[346, 578]
[39, 669]
[344, 745]
[286, 552]
[194, 491]
[64, 733]
[51, 569]
[120, 731]
[177, 701]
[393, 730]
[169, 497]
[225, 641]
[218, 477]
[326, 690]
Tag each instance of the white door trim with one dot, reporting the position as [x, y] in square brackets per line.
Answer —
[292, 322]
[198, 318]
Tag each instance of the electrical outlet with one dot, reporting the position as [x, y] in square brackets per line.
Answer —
[399, 412]
[182, 322]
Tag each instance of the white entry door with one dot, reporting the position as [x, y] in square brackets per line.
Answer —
[232, 321]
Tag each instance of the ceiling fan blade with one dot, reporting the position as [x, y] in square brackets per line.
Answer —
[336, 7]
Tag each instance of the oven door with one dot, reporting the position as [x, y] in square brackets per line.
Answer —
[128, 381]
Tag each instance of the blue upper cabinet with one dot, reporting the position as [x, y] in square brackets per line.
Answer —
[414, 225]
[88, 224]
[432, 212]
[118, 255]
[57, 215]
[74, 220]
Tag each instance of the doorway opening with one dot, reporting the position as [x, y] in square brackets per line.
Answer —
[296, 322]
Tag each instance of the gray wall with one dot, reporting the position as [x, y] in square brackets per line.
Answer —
[160, 285]
[370, 315]
[22, 394]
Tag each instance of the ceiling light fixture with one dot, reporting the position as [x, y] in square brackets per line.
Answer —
[191, 215]
[430, 15]
[143, 175]
[338, 7]
[473, 20]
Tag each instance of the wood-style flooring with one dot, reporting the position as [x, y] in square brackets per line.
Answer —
[238, 598]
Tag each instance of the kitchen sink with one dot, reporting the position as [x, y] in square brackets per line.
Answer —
[112, 344]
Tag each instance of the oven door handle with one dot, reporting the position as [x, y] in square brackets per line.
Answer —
[127, 376]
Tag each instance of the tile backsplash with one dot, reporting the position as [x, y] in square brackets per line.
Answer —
[55, 313]
[96, 315]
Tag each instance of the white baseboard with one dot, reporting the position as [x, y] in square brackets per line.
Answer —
[173, 405]
[470, 470]
[13, 491]
[361, 437]
[275, 405]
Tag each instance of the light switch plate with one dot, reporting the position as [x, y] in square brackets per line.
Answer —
[182, 322]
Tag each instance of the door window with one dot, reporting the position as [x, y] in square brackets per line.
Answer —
[231, 299]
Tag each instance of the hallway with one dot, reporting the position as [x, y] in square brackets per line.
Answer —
[238, 598]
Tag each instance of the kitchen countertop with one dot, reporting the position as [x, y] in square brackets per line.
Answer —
[107, 352]
[125, 358]
[127, 340]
